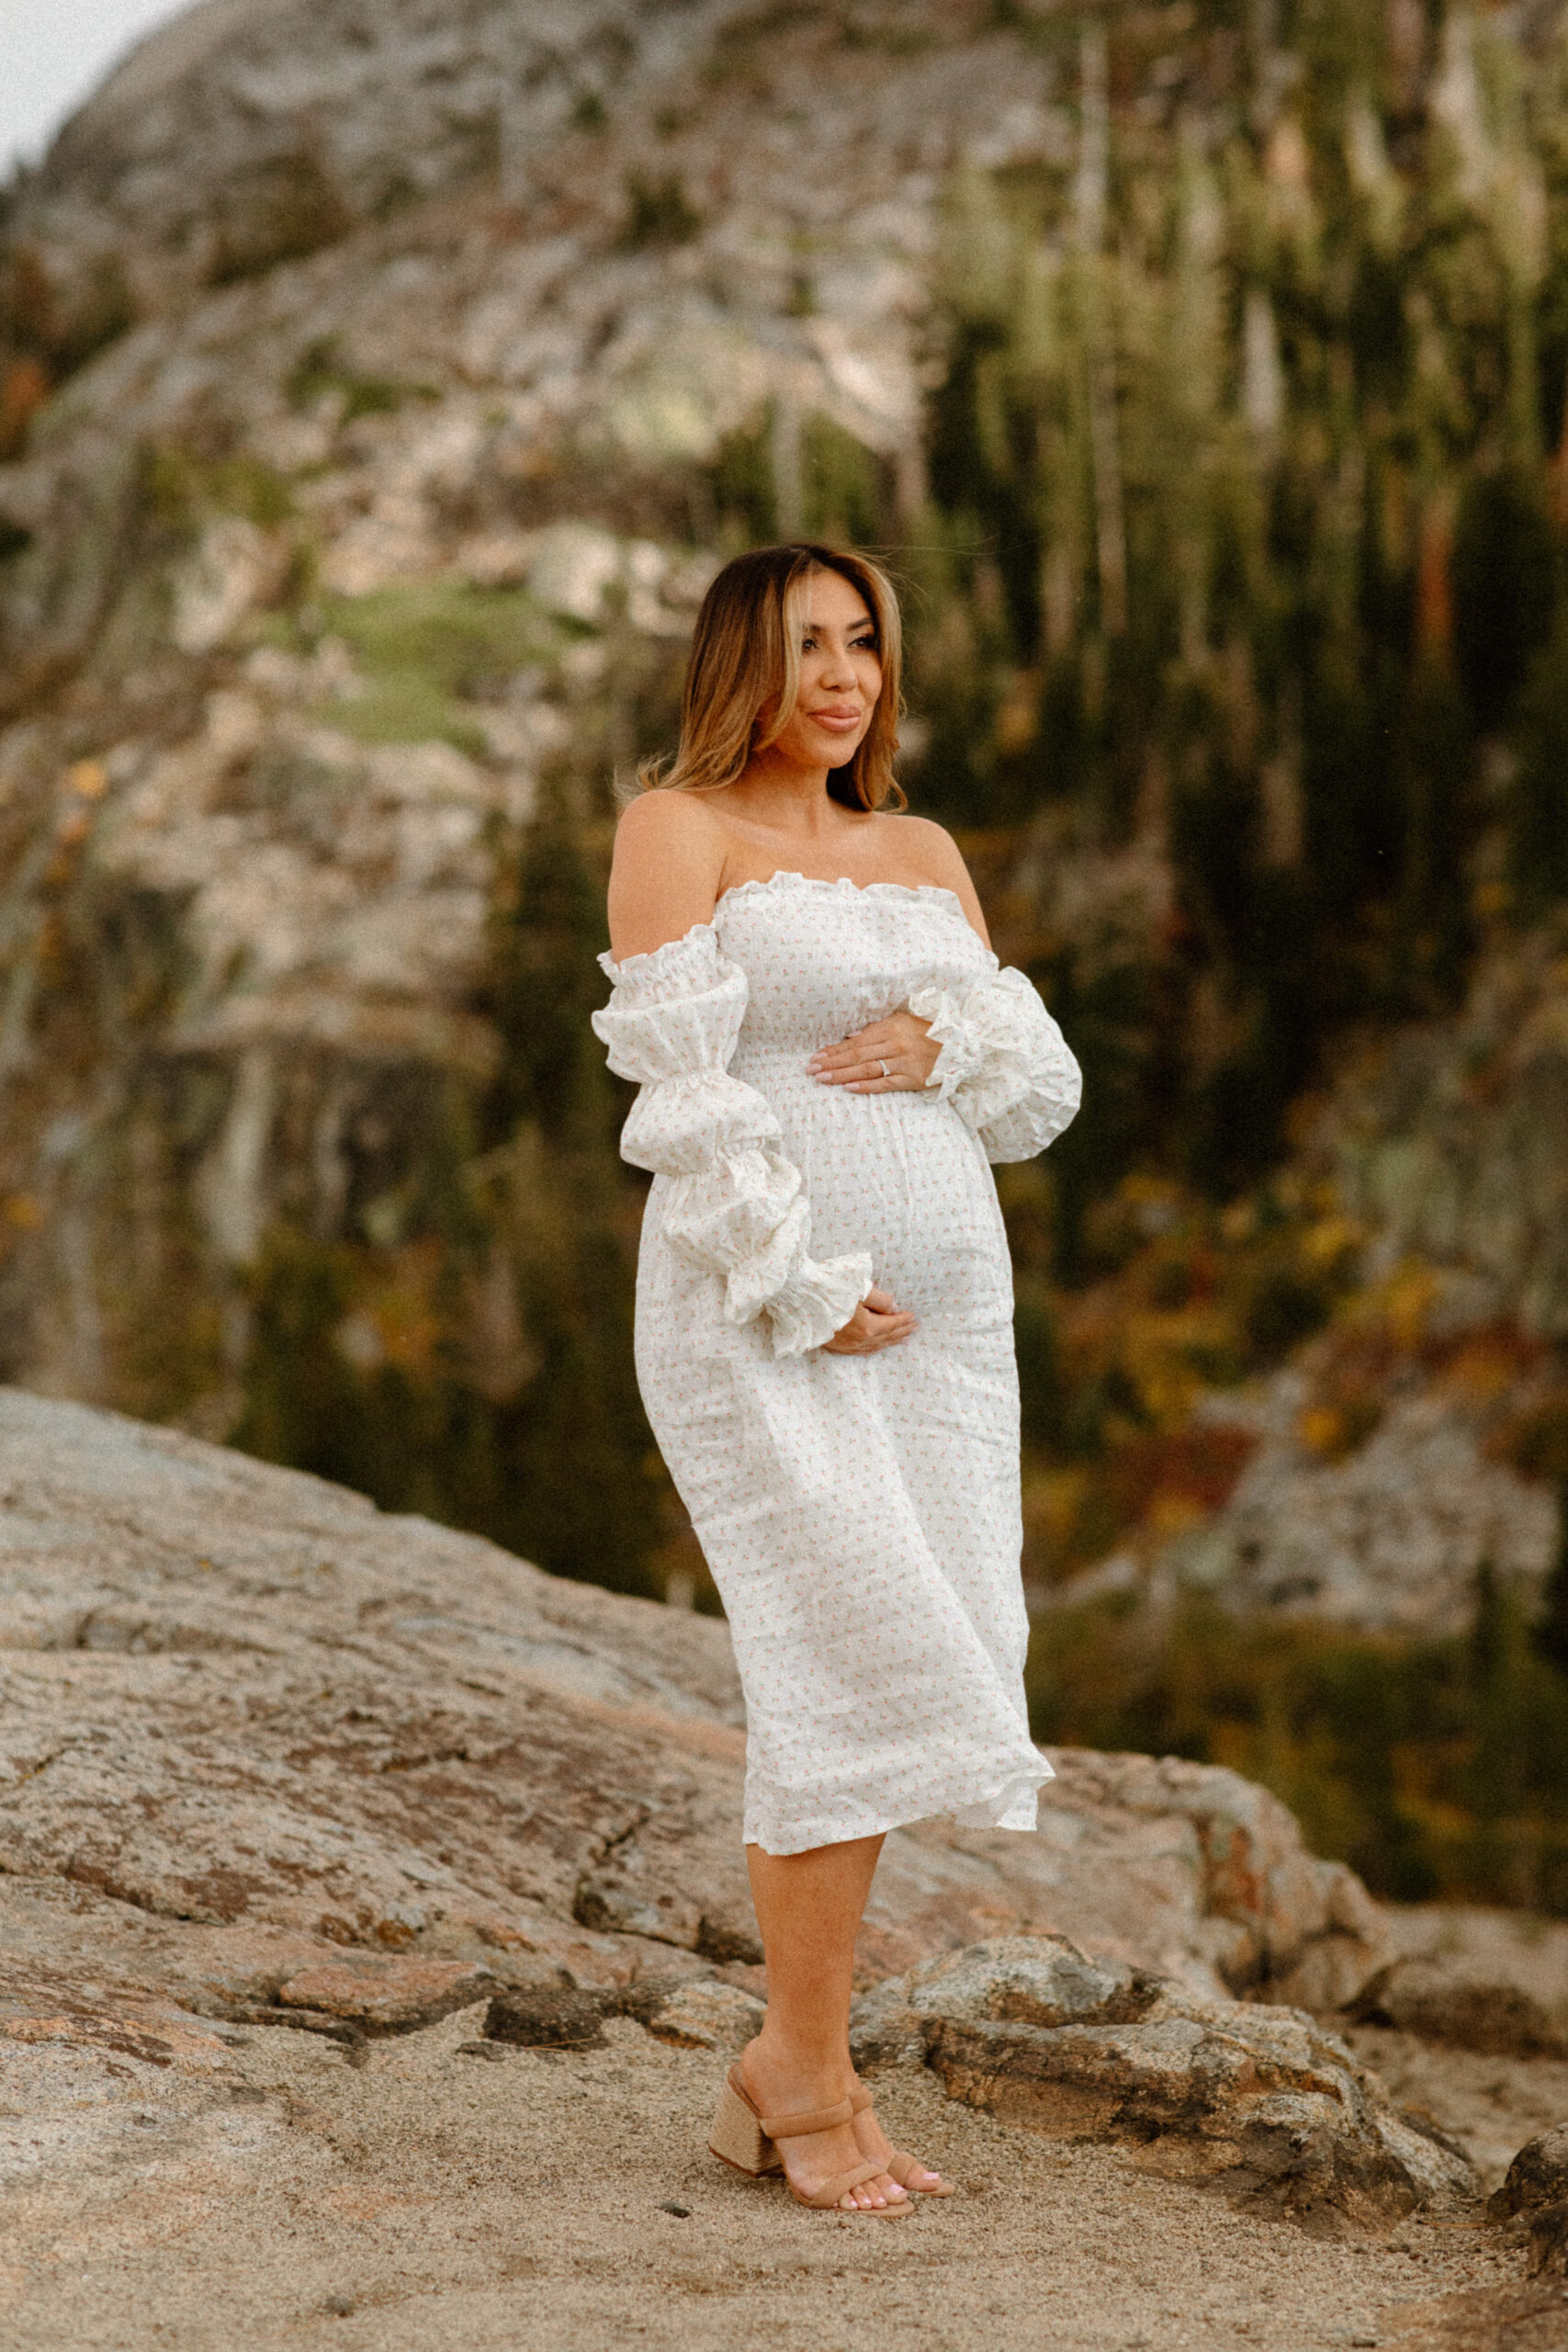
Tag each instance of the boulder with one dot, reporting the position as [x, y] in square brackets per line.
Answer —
[1387, 1536]
[278, 1757]
[386, 1995]
[1537, 2179]
[1478, 2318]
[1439, 2002]
[691, 2016]
[1534, 2197]
[1264, 2102]
[706, 2015]
[1269, 1917]
[1547, 2232]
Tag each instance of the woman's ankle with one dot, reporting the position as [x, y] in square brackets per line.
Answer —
[774, 2057]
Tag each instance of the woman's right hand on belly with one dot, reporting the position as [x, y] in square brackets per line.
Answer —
[876, 1323]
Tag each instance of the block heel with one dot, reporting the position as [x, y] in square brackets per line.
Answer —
[737, 2137]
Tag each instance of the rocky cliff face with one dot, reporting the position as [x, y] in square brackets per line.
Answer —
[455, 335]
[1418, 1442]
[382, 385]
[1450, 1144]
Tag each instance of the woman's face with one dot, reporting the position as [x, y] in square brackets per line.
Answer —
[841, 677]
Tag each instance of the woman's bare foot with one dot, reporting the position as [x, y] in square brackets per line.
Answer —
[877, 2147]
[812, 2158]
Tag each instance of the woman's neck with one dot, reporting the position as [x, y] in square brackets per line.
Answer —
[787, 796]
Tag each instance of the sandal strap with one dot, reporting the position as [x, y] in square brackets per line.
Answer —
[900, 2162]
[815, 2118]
[839, 2185]
[791, 2126]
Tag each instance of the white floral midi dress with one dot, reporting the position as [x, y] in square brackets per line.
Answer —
[859, 1514]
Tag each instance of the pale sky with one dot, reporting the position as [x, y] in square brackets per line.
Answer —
[53, 54]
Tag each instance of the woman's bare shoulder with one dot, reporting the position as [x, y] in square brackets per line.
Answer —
[660, 818]
[667, 872]
[933, 850]
[924, 843]
[927, 847]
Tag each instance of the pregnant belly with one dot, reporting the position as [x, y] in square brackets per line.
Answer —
[901, 1177]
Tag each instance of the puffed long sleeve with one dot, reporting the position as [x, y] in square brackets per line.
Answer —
[1004, 1064]
[735, 1202]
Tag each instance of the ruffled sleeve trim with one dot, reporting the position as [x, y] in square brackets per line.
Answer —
[664, 971]
[1004, 1065]
[961, 1052]
[734, 1201]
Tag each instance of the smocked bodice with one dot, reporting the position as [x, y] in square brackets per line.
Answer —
[717, 1027]
[823, 959]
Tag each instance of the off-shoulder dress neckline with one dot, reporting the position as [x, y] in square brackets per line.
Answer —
[838, 882]
[936, 892]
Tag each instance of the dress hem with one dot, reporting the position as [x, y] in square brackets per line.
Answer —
[990, 1811]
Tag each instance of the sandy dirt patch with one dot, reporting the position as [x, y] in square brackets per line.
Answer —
[425, 2196]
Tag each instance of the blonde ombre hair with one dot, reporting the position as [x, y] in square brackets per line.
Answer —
[746, 649]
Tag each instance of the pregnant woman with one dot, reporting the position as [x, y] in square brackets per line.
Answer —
[829, 1054]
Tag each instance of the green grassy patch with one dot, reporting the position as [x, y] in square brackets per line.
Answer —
[320, 369]
[178, 489]
[427, 653]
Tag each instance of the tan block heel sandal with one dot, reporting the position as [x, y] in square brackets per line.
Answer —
[744, 2137]
[900, 2164]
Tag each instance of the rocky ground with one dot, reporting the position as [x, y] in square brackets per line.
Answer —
[375, 1940]
[275, 2193]
[256, 1730]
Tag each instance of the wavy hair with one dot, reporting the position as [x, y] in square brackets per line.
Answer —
[746, 649]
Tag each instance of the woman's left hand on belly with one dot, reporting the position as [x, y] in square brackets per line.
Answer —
[895, 1056]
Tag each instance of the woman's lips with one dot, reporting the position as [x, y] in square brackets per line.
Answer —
[838, 722]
